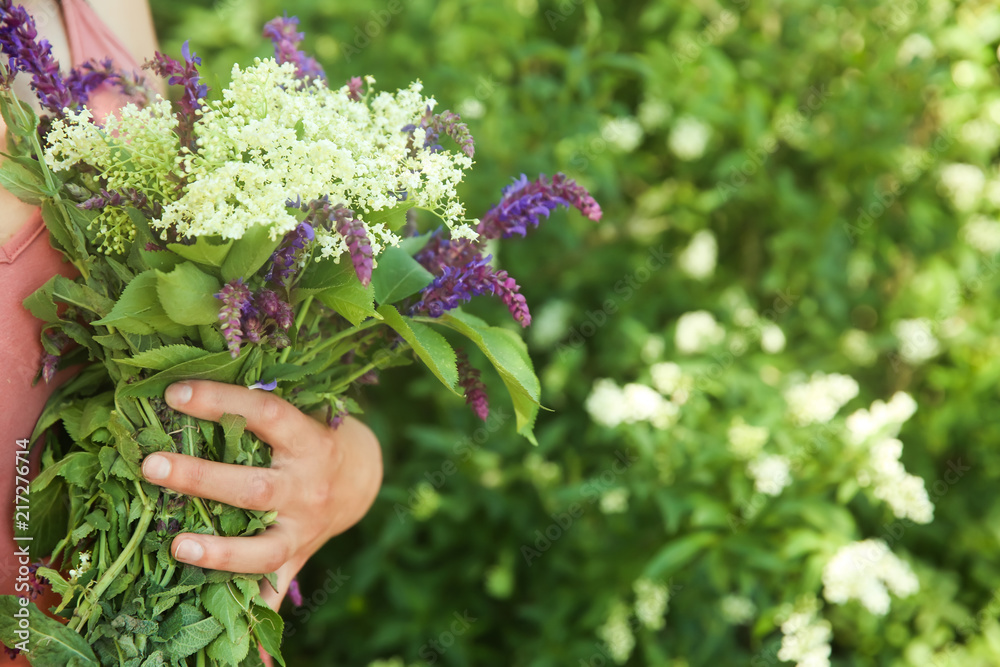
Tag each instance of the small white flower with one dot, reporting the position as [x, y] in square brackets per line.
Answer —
[964, 184]
[689, 138]
[617, 634]
[771, 474]
[697, 331]
[746, 441]
[651, 600]
[667, 377]
[772, 338]
[806, 636]
[614, 501]
[867, 571]
[819, 399]
[737, 610]
[983, 234]
[472, 107]
[916, 342]
[698, 259]
[623, 134]
[914, 46]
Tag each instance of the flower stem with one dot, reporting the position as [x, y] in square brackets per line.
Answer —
[299, 319]
[333, 340]
[83, 611]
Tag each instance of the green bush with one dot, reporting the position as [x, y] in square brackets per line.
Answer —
[819, 179]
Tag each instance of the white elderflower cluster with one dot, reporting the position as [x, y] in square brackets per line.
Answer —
[772, 338]
[614, 501]
[617, 634]
[806, 636]
[611, 405]
[737, 609]
[876, 428]
[689, 138]
[746, 441]
[771, 474]
[651, 601]
[819, 399]
[84, 566]
[270, 140]
[698, 259]
[670, 380]
[963, 184]
[983, 234]
[867, 571]
[914, 46]
[916, 342]
[624, 134]
[697, 331]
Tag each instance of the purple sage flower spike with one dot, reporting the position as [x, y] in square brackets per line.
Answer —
[283, 32]
[26, 53]
[235, 298]
[524, 202]
[475, 390]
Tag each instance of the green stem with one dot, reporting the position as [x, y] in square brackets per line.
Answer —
[200, 660]
[303, 309]
[93, 597]
[169, 573]
[333, 340]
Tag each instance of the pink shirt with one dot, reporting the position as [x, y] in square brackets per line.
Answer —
[27, 261]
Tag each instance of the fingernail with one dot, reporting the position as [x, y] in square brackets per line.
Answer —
[178, 394]
[189, 550]
[155, 467]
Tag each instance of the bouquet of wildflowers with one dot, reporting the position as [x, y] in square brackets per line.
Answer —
[267, 238]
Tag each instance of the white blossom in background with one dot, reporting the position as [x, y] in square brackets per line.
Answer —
[667, 377]
[914, 46]
[651, 600]
[868, 571]
[689, 138]
[884, 419]
[819, 399]
[745, 316]
[623, 134]
[771, 473]
[614, 501]
[963, 184]
[617, 635]
[737, 609]
[654, 113]
[856, 346]
[746, 441]
[472, 107]
[983, 234]
[806, 636]
[611, 405]
[772, 338]
[698, 259]
[916, 342]
[652, 349]
[697, 331]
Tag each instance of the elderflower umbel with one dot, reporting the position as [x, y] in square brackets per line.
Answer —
[698, 259]
[84, 566]
[963, 183]
[746, 441]
[982, 234]
[916, 342]
[770, 473]
[806, 640]
[819, 399]
[867, 571]
[697, 331]
[651, 600]
[617, 634]
[689, 138]
[737, 610]
[611, 405]
[614, 501]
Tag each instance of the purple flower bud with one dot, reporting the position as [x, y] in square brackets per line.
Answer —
[450, 124]
[185, 75]
[523, 203]
[294, 593]
[50, 362]
[475, 390]
[235, 296]
[282, 31]
[454, 286]
[354, 85]
[285, 258]
[358, 244]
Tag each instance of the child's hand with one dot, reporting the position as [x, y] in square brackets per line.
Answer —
[321, 481]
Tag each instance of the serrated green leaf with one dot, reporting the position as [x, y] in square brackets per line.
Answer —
[204, 251]
[268, 630]
[431, 347]
[337, 286]
[138, 311]
[220, 366]
[188, 295]
[162, 358]
[393, 218]
[188, 636]
[249, 253]
[398, 276]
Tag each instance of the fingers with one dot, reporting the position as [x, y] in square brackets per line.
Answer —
[237, 485]
[259, 554]
[272, 419]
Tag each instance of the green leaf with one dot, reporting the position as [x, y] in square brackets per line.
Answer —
[189, 631]
[398, 276]
[188, 295]
[249, 253]
[509, 356]
[162, 358]
[23, 182]
[49, 517]
[233, 427]
[677, 554]
[73, 293]
[41, 303]
[337, 286]
[221, 367]
[138, 311]
[432, 348]
[203, 251]
[51, 643]
[268, 631]
[393, 218]
[66, 235]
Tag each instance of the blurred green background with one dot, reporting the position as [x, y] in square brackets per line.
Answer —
[820, 180]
